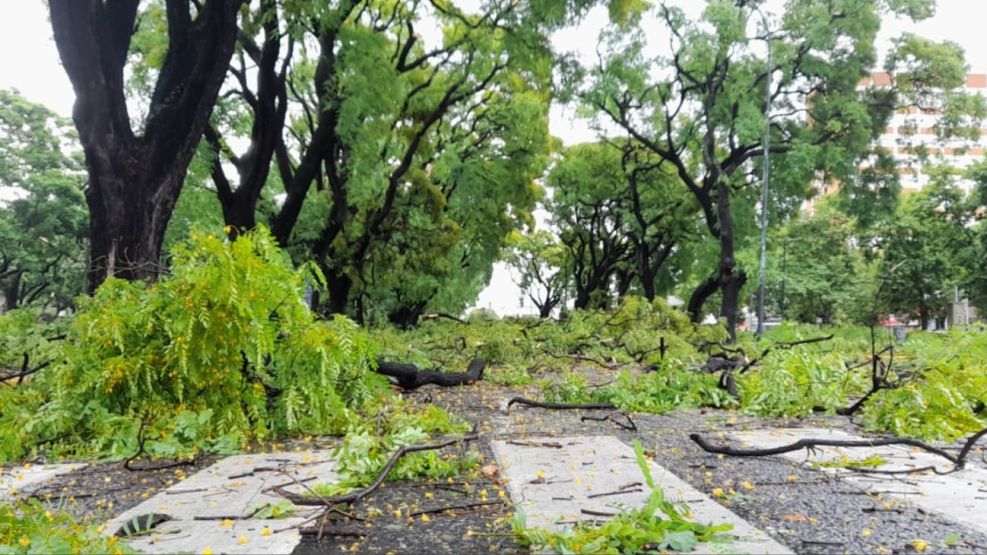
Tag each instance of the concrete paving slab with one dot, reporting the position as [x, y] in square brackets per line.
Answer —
[14, 480]
[233, 489]
[960, 496]
[555, 479]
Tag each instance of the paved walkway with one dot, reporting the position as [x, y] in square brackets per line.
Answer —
[13, 480]
[214, 509]
[555, 480]
[960, 496]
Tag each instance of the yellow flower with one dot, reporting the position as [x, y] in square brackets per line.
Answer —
[425, 518]
[429, 495]
[207, 551]
[24, 541]
[920, 545]
[718, 492]
[747, 485]
[265, 531]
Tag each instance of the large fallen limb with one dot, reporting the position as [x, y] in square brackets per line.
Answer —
[410, 377]
[354, 496]
[809, 443]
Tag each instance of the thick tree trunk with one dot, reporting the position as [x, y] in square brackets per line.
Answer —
[545, 309]
[134, 181]
[645, 274]
[129, 212]
[730, 277]
[339, 287]
[12, 292]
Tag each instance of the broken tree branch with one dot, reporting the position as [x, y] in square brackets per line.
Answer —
[558, 406]
[357, 495]
[809, 443]
[410, 377]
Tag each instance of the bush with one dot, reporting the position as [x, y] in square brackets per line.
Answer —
[221, 352]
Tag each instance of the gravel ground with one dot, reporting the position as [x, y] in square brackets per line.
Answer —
[807, 510]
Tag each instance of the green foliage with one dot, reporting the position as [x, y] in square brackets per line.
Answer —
[846, 462]
[659, 526]
[369, 445]
[221, 352]
[944, 391]
[928, 250]
[29, 527]
[825, 275]
[620, 215]
[43, 219]
[797, 383]
[517, 349]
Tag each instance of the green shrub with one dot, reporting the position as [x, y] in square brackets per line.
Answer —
[221, 352]
[30, 527]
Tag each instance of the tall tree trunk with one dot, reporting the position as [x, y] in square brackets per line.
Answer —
[12, 292]
[644, 272]
[730, 277]
[134, 181]
[339, 287]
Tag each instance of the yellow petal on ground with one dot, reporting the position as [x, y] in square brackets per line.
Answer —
[265, 531]
[866, 532]
[920, 545]
[226, 523]
[242, 540]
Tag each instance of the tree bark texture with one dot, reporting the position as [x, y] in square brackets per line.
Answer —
[134, 181]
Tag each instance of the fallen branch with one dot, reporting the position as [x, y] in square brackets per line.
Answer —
[25, 370]
[958, 460]
[410, 376]
[437, 315]
[455, 507]
[128, 464]
[630, 425]
[357, 495]
[558, 406]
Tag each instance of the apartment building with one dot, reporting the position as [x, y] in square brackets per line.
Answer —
[913, 130]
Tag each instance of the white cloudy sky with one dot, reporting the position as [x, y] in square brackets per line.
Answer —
[30, 63]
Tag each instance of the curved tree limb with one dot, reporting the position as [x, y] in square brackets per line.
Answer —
[958, 460]
[354, 496]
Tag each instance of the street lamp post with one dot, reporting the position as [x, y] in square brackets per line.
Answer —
[763, 268]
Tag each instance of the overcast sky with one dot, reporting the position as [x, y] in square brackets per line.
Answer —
[30, 61]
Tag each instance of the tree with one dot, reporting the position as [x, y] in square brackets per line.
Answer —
[815, 270]
[537, 260]
[976, 284]
[589, 197]
[621, 215]
[701, 106]
[43, 225]
[928, 250]
[388, 145]
[135, 176]
[661, 218]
